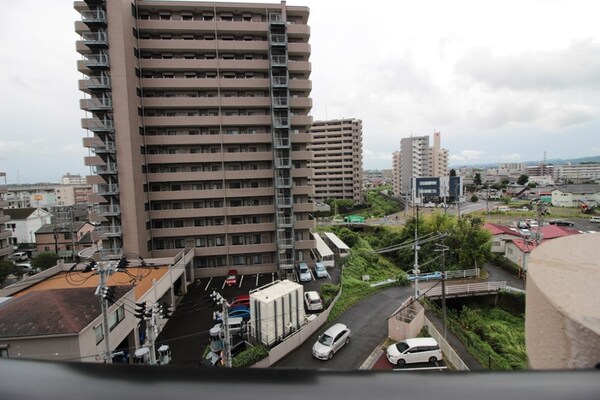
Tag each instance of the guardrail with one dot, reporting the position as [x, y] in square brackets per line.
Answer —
[469, 288]
[463, 273]
[448, 351]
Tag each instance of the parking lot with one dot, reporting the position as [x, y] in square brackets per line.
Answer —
[187, 331]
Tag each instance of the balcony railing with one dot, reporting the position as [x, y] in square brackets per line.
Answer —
[283, 182]
[278, 39]
[95, 38]
[102, 82]
[284, 201]
[104, 148]
[98, 125]
[108, 210]
[285, 222]
[280, 102]
[279, 81]
[110, 168]
[96, 60]
[285, 243]
[276, 18]
[93, 16]
[98, 104]
[107, 189]
[283, 163]
[109, 231]
[278, 61]
[282, 143]
[281, 122]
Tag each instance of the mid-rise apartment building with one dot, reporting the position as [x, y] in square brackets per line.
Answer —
[417, 159]
[198, 118]
[337, 159]
[577, 173]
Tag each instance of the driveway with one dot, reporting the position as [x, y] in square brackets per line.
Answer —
[368, 322]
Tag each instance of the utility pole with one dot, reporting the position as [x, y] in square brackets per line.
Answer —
[416, 266]
[227, 341]
[105, 270]
[442, 247]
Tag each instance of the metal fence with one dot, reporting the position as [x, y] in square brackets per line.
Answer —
[463, 273]
[449, 353]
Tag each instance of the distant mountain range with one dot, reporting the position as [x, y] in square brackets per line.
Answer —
[554, 161]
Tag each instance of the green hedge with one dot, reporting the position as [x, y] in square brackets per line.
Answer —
[250, 356]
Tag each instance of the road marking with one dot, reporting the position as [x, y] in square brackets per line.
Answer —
[241, 280]
[224, 280]
[208, 284]
[257, 276]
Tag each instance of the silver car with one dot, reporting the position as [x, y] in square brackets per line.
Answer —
[331, 341]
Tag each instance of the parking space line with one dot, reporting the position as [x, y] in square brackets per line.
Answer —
[272, 277]
[208, 284]
[224, 281]
[241, 280]
[257, 276]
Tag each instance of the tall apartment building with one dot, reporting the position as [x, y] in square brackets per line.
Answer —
[577, 173]
[337, 159]
[416, 159]
[198, 121]
[6, 248]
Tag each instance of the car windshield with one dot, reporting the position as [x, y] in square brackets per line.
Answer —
[326, 340]
[402, 347]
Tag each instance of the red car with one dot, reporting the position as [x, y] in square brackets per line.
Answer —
[231, 279]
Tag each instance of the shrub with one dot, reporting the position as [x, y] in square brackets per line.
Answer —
[250, 356]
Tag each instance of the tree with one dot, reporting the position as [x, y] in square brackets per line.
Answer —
[474, 199]
[44, 261]
[6, 268]
[522, 180]
[452, 172]
[477, 180]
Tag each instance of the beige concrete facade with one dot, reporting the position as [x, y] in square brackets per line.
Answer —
[337, 159]
[199, 122]
[562, 315]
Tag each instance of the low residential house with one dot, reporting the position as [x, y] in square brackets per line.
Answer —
[64, 239]
[576, 195]
[500, 235]
[64, 324]
[24, 222]
[518, 249]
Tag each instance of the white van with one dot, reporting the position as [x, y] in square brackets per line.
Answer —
[19, 256]
[595, 218]
[416, 350]
[236, 325]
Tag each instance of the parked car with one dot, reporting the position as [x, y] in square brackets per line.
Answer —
[320, 270]
[313, 301]
[240, 302]
[416, 350]
[19, 256]
[560, 222]
[429, 205]
[231, 279]
[304, 273]
[331, 341]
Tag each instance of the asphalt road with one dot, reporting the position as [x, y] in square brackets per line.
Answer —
[368, 322]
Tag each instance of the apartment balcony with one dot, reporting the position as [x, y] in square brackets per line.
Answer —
[279, 61]
[304, 207]
[95, 17]
[277, 19]
[201, 26]
[282, 142]
[285, 222]
[280, 102]
[110, 254]
[96, 104]
[281, 123]
[97, 125]
[284, 202]
[251, 228]
[92, 84]
[283, 163]
[278, 39]
[283, 182]
[103, 148]
[299, 49]
[305, 244]
[93, 61]
[6, 235]
[95, 39]
[204, 83]
[285, 243]
[298, 31]
[107, 190]
[279, 81]
[108, 169]
[300, 84]
[109, 231]
[107, 210]
[250, 46]
[4, 218]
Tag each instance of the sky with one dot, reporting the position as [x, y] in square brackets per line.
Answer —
[503, 81]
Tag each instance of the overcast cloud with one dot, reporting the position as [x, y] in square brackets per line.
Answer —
[501, 80]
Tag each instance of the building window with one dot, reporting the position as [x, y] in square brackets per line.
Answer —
[3, 350]
[99, 331]
[116, 317]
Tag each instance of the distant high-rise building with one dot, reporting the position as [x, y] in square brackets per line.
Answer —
[416, 159]
[69, 179]
[199, 124]
[337, 159]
